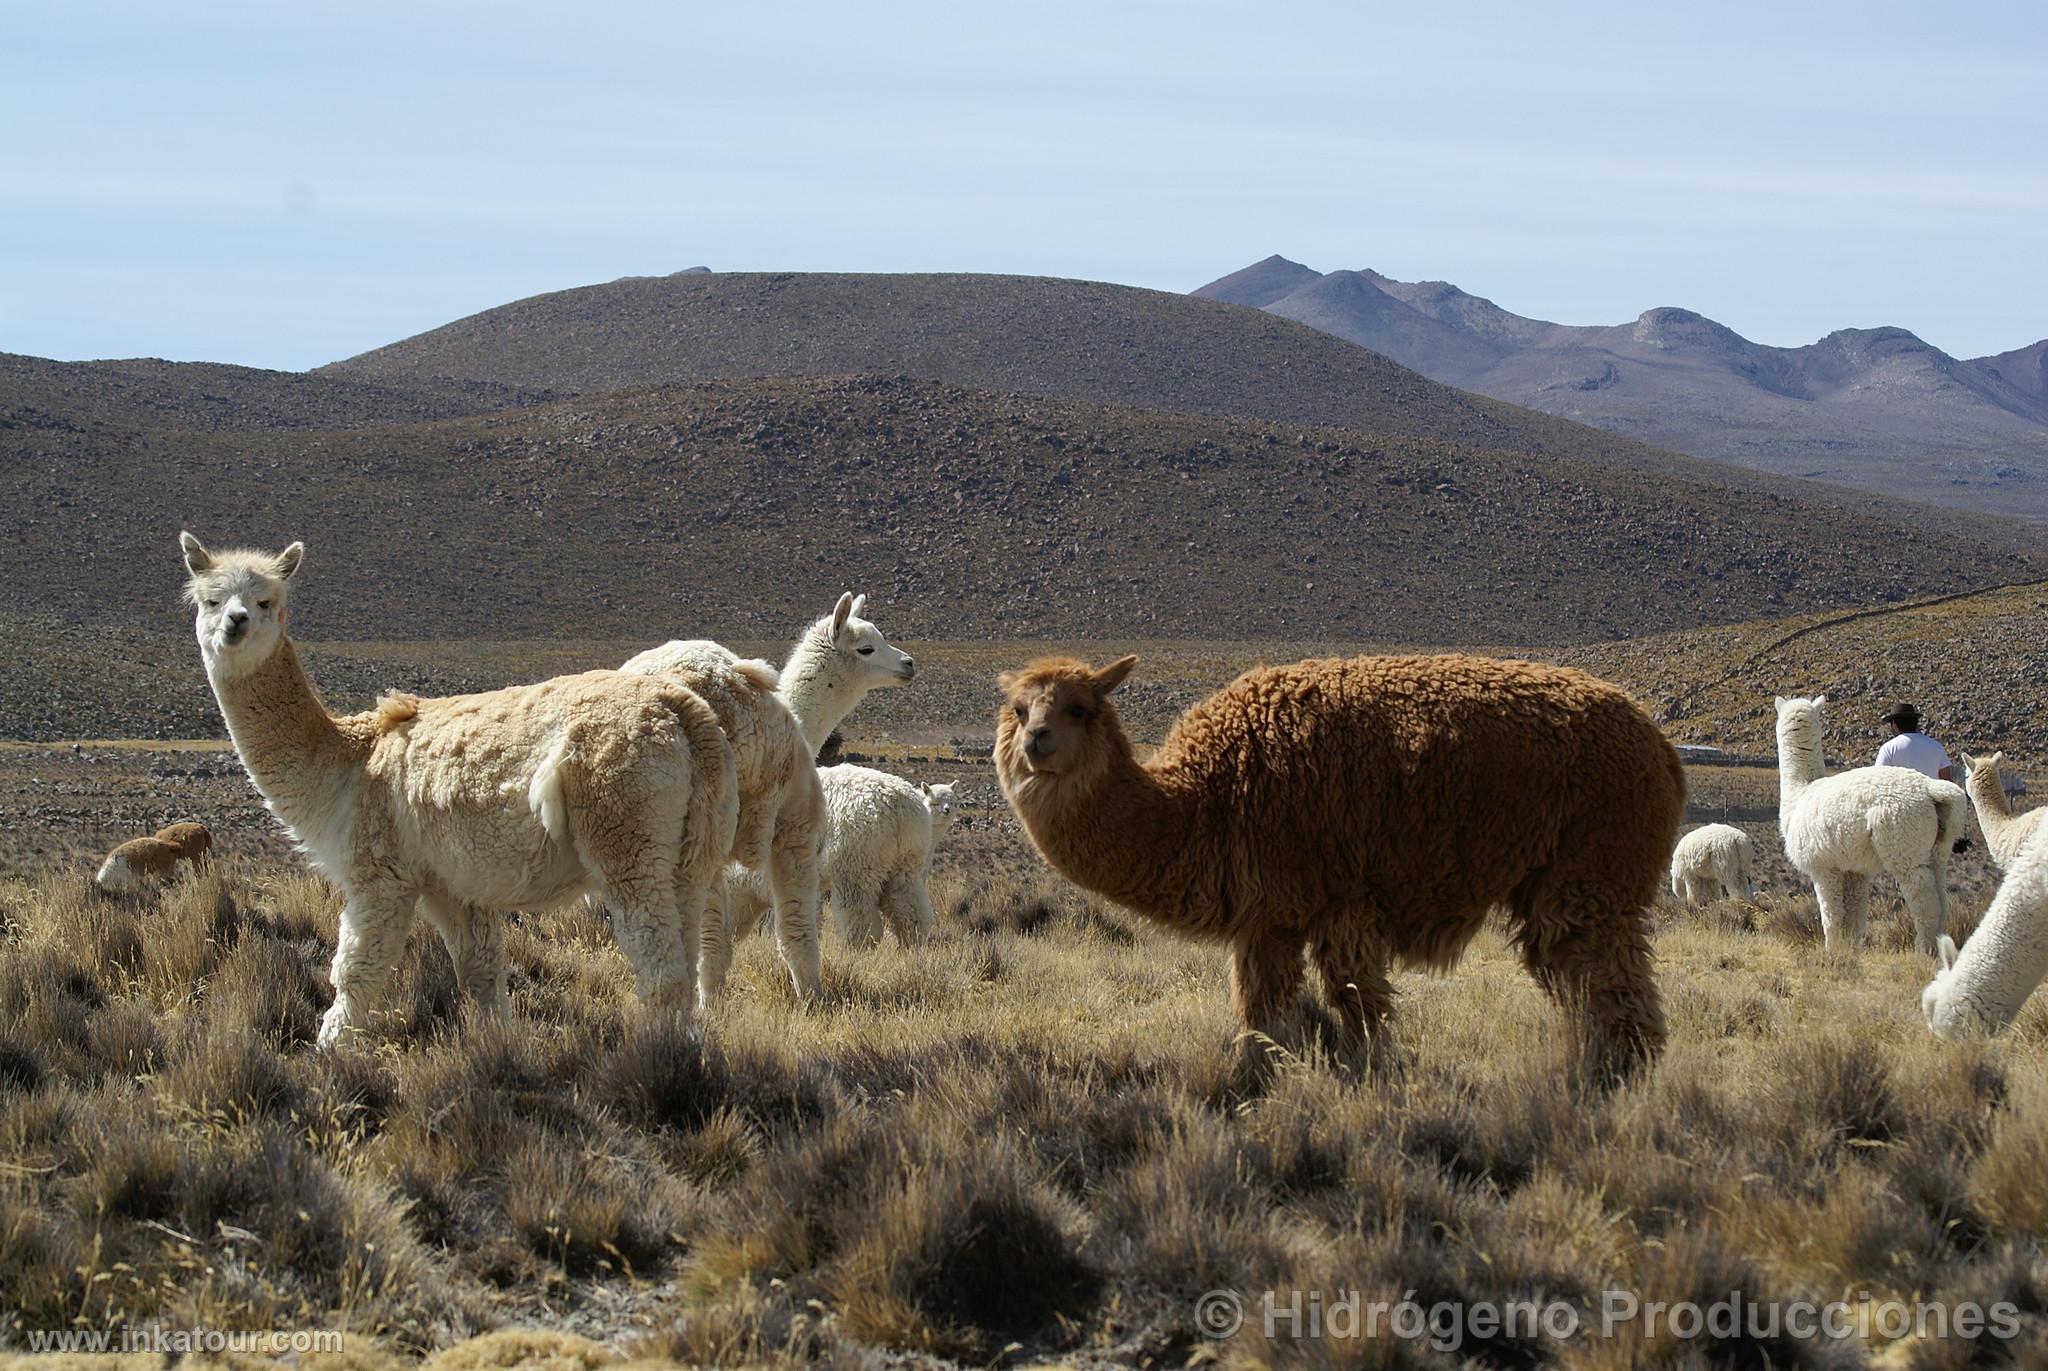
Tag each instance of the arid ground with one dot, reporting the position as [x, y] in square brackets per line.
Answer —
[1017, 1143]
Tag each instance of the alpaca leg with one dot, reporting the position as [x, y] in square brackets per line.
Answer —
[1596, 964]
[857, 912]
[1827, 891]
[1697, 891]
[649, 929]
[793, 883]
[475, 939]
[374, 926]
[1852, 908]
[1355, 983]
[1266, 973]
[1927, 901]
[714, 949]
[907, 908]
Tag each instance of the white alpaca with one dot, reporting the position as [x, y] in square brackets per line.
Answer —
[2004, 830]
[834, 664]
[782, 806]
[876, 859]
[1983, 988]
[608, 783]
[1841, 830]
[1713, 862]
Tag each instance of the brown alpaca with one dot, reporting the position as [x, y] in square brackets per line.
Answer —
[1368, 810]
[138, 859]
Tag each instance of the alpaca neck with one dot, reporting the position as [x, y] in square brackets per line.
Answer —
[284, 736]
[1994, 814]
[1125, 832]
[1799, 766]
[814, 688]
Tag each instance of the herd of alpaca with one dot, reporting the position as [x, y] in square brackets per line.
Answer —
[1353, 814]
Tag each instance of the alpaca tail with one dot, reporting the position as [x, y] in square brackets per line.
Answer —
[544, 794]
[1952, 810]
[713, 815]
[114, 877]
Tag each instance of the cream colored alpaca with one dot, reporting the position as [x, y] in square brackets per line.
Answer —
[782, 807]
[608, 783]
[2004, 830]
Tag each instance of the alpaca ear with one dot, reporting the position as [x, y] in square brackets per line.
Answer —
[1948, 953]
[1819, 700]
[197, 558]
[1007, 681]
[1112, 676]
[860, 605]
[288, 560]
[840, 612]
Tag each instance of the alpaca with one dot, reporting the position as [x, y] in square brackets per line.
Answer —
[139, 859]
[2004, 830]
[782, 805]
[1371, 810]
[939, 800]
[1983, 988]
[1715, 861]
[876, 860]
[836, 661]
[1843, 829]
[459, 807]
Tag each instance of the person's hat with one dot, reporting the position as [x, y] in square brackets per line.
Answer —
[1904, 715]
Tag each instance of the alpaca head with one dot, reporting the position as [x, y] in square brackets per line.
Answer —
[1057, 721]
[862, 658]
[1948, 1014]
[238, 597]
[1799, 719]
[1981, 773]
[939, 798]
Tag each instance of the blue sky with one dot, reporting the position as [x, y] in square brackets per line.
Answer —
[285, 185]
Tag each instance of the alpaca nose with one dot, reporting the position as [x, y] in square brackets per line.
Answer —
[238, 617]
[1040, 740]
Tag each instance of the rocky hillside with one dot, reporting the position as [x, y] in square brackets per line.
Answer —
[1877, 409]
[1973, 663]
[731, 506]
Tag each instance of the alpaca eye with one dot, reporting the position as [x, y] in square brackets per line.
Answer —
[867, 652]
[1076, 712]
[263, 604]
[1020, 711]
[213, 604]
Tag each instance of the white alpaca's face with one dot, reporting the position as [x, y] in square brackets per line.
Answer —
[869, 658]
[238, 602]
[940, 798]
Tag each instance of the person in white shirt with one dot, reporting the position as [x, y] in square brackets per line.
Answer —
[1909, 747]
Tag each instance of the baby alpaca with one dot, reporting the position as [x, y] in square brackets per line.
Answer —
[1982, 989]
[1714, 862]
[139, 859]
[2004, 830]
[620, 785]
[1841, 830]
[876, 859]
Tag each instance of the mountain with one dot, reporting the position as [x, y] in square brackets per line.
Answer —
[1878, 409]
[736, 508]
[2024, 369]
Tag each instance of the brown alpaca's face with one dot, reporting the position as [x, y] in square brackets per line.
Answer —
[1048, 715]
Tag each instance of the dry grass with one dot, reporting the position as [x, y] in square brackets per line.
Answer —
[1017, 1141]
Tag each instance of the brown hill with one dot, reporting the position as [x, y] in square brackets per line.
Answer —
[147, 393]
[737, 508]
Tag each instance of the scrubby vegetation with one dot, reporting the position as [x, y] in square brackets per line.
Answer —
[1017, 1141]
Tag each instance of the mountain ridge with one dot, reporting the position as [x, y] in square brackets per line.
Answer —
[1879, 408]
